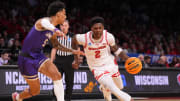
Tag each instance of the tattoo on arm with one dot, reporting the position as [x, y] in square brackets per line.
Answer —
[75, 46]
[57, 45]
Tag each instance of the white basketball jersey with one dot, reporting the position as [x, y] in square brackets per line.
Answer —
[97, 52]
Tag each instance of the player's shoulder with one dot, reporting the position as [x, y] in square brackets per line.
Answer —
[40, 19]
[109, 35]
[38, 23]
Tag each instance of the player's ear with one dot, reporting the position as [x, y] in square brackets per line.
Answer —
[103, 27]
[57, 14]
[91, 28]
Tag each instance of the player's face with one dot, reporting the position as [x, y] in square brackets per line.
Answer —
[61, 16]
[97, 30]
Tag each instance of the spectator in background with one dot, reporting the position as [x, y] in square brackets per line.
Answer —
[12, 40]
[132, 48]
[15, 50]
[174, 62]
[4, 59]
[178, 63]
[141, 57]
[125, 47]
[173, 50]
[162, 62]
[147, 61]
[158, 49]
[2, 43]
[6, 36]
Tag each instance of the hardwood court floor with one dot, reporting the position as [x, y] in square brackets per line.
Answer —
[134, 100]
[137, 99]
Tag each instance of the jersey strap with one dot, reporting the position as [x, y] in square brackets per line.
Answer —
[85, 41]
[106, 37]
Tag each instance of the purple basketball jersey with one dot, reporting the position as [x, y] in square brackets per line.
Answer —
[33, 45]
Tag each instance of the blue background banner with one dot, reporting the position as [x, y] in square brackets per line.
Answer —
[154, 58]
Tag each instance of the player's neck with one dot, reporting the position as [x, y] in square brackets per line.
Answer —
[95, 38]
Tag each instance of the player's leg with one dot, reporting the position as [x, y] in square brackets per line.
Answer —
[118, 81]
[108, 82]
[61, 70]
[50, 70]
[106, 93]
[34, 89]
[29, 72]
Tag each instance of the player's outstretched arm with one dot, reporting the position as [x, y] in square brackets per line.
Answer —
[77, 58]
[59, 46]
[114, 48]
[119, 52]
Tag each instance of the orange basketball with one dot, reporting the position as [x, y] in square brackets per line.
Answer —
[133, 65]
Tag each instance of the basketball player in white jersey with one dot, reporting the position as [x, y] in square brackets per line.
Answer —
[98, 44]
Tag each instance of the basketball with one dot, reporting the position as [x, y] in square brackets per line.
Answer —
[133, 65]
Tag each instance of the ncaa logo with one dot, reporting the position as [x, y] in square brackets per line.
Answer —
[178, 79]
[69, 39]
[89, 44]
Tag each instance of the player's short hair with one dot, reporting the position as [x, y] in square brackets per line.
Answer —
[96, 19]
[55, 7]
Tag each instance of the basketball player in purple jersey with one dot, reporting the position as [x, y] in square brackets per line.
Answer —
[31, 59]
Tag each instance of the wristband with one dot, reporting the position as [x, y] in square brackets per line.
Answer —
[56, 29]
[118, 52]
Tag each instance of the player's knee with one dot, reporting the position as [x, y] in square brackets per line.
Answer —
[56, 76]
[35, 92]
[121, 87]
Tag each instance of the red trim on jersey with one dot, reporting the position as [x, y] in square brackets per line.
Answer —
[106, 37]
[90, 34]
[102, 37]
[90, 37]
[85, 41]
[116, 74]
[93, 71]
[115, 62]
[99, 76]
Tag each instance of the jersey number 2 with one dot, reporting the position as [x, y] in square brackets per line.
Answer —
[97, 54]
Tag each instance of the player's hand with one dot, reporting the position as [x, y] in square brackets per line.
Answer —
[61, 34]
[75, 65]
[80, 59]
[78, 52]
